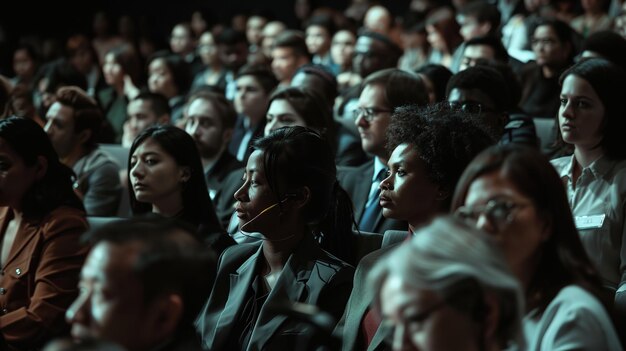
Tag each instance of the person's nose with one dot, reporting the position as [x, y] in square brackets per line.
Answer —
[137, 170]
[77, 310]
[483, 223]
[387, 183]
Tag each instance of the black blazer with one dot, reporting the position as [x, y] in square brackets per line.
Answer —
[310, 276]
[357, 181]
[224, 166]
[239, 132]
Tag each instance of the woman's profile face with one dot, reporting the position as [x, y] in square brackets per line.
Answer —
[161, 79]
[422, 320]
[495, 206]
[581, 113]
[256, 196]
[112, 70]
[154, 175]
[15, 176]
[282, 114]
[407, 193]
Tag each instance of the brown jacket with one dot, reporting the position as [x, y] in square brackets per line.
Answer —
[39, 280]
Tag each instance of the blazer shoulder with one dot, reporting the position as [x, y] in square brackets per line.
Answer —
[63, 220]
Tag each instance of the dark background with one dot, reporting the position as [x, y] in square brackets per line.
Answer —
[60, 19]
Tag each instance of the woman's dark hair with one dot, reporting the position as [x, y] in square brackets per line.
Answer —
[29, 141]
[446, 141]
[298, 157]
[180, 69]
[563, 31]
[311, 107]
[197, 205]
[439, 76]
[563, 260]
[128, 58]
[608, 81]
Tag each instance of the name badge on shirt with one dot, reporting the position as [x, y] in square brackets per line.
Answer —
[589, 222]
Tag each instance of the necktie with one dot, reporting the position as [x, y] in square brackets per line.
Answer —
[372, 209]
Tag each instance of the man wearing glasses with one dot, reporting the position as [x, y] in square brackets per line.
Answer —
[382, 92]
[483, 92]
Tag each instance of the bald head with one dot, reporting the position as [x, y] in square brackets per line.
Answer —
[378, 19]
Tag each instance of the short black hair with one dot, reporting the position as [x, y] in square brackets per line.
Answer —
[292, 39]
[262, 73]
[171, 259]
[439, 76]
[486, 79]
[323, 21]
[483, 12]
[230, 36]
[446, 139]
[607, 44]
[499, 51]
[158, 103]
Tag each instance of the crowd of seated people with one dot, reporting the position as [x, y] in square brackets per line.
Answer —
[451, 176]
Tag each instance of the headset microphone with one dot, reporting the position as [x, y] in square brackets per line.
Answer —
[262, 237]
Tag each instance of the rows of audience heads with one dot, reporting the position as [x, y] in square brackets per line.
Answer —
[450, 177]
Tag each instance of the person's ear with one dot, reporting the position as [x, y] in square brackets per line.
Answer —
[164, 119]
[185, 174]
[166, 314]
[300, 198]
[227, 135]
[83, 136]
[41, 167]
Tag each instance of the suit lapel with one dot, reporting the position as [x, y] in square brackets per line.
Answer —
[26, 232]
[240, 283]
[363, 187]
[289, 288]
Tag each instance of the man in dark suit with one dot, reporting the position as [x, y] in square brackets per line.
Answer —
[382, 92]
[254, 84]
[155, 275]
[210, 121]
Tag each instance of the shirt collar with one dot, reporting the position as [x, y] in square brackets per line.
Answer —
[598, 168]
[378, 165]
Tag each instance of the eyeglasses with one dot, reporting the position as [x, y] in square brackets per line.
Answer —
[543, 41]
[368, 113]
[471, 107]
[499, 213]
[414, 322]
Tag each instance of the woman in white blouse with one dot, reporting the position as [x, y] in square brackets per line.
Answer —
[592, 120]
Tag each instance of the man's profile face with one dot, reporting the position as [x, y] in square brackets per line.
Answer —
[140, 115]
[60, 128]
[110, 304]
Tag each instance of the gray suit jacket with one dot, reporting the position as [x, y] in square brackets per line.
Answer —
[349, 326]
[357, 181]
[310, 276]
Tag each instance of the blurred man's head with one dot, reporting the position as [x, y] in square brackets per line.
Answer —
[288, 54]
[232, 48]
[374, 52]
[487, 48]
[142, 283]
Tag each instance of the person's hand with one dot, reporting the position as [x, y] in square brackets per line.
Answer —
[130, 90]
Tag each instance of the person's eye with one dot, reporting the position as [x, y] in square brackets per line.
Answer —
[582, 104]
[269, 118]
[563, 102]
[205, 123]
[151, 161]
[401, 172]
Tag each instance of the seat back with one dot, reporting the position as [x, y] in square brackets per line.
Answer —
[393, 237]
[96, 223]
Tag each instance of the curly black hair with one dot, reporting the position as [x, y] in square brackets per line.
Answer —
[446, 139]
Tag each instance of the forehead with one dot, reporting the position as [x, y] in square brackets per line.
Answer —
[373, 95]
[545, 32]
[202, 107]
[490, 185]
[181, 30]
[343, 37]
[281, 106]
[479, 51]
[364, 44]
[140, 106]
[248, 80]
[59, 111]
[255, 162]
[461, 95]
[149, 146]
[575, 85]
[6, 150]
[282, 51]
[206, 38]
[158, 64]
[110, 263]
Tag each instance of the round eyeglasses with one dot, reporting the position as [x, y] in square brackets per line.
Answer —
[368, 113]
[499, 213]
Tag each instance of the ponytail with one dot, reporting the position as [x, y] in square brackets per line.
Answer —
[336, 227]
